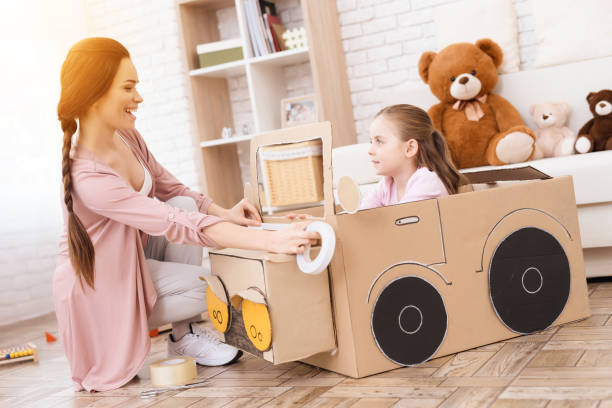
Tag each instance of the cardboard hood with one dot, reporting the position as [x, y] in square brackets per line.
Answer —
[424, 279]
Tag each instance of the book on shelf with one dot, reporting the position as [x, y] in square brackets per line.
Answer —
[263, 27]
[251, 25]
[276, 31]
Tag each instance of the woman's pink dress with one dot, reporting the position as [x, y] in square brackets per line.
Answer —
[104, 331]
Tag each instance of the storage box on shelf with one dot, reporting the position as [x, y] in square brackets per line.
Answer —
[220, 175]
[220, 52]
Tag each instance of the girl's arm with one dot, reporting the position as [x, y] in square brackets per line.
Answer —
[374, 198]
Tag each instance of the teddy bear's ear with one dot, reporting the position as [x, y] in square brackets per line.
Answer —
[564, 106]
[591, 96]
[424, 63]
[532, 109]
[493, 50]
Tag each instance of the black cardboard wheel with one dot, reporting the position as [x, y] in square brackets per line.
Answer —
[409, 320]
[529, 280]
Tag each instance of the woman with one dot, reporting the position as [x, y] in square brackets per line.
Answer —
[131, 254]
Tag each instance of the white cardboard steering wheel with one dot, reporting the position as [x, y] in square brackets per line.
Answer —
[328, 246]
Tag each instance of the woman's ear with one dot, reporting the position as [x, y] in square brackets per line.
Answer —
[412, 148]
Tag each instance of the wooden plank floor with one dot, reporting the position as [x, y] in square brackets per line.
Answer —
[569, 366]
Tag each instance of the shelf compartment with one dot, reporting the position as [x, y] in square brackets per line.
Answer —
[219, 142]
[235, 68]
[226, 70]
[282, 58]
[209, 4]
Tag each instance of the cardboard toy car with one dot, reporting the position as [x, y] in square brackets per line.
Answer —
[412, 281]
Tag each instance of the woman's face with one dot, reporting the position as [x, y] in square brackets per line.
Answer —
[117, 107]
[388, 153]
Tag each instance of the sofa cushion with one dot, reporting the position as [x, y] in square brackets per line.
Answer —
[592, 172]
[557, 44]
[353, 161]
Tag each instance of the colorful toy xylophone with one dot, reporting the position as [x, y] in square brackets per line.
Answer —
[24, 352]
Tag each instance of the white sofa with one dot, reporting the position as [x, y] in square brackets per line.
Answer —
[592, 172]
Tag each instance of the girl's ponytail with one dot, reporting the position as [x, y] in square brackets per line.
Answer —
[443, 164]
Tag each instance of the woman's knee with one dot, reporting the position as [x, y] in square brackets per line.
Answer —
[184, 203]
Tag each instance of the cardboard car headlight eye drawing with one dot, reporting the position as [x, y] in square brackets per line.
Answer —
[408, 282]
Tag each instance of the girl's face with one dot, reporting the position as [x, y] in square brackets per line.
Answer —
[117, 106]
[388, 153]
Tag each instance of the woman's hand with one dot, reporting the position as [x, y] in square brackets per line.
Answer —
[292, 239]
[243, 213]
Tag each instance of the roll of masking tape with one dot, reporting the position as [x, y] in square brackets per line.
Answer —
[173, 371]
[328, 246]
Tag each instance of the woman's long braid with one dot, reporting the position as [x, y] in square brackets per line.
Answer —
[69, 127]
[81, 248]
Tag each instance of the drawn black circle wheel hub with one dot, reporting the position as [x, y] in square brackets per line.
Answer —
[529, 280]
[409, 320]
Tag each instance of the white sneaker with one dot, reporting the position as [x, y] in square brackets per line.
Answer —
[204, 346]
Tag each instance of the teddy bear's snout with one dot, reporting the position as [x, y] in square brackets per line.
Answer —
[464, 80]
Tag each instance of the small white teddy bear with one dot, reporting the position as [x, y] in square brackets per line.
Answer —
[553, 138]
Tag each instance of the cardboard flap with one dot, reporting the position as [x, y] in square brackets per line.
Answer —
[215, 284]
[349, 195]
[253, 294]
[515, 174]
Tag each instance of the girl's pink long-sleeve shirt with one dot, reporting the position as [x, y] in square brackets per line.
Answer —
[422, 185]
[104, 331]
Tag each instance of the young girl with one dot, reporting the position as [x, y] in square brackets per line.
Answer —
[413, 157]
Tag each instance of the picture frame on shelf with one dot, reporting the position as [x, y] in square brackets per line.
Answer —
[299, 110]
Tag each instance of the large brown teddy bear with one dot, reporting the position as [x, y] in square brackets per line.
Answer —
[480, 127]
[596, 134]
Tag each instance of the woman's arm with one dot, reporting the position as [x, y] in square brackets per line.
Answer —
[166, 185]
[290, 239]
[106, 193]
[243, 213]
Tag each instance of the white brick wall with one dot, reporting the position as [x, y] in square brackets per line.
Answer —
[382, 39]
[30, 217]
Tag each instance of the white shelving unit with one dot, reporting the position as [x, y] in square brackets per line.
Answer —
[212, 108]
[229, 140]
[235, 68]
